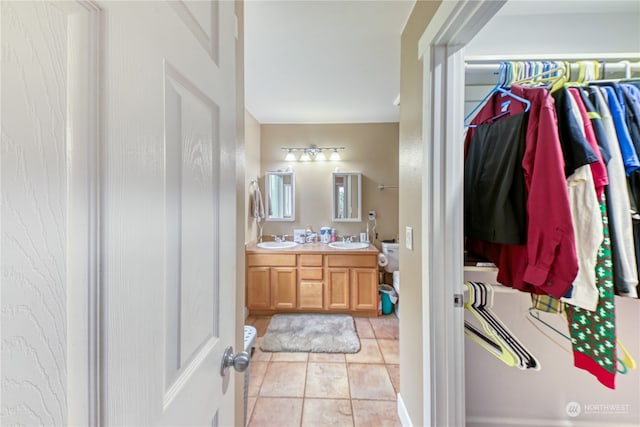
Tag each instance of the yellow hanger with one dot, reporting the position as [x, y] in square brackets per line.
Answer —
[493, 347]
[492, 342]
[561, 79]
[627, 360]
[596, 67]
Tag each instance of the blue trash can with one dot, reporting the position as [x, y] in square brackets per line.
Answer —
[388, 297]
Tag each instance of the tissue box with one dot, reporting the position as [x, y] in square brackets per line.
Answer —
[299, 235]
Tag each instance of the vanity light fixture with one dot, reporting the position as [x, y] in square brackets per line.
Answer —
[312, 153]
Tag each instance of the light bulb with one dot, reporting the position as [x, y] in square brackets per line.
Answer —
[290, 157]
[320, 156]
[305, 157]
[335, 156]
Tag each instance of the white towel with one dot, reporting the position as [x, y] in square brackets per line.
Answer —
[258, 205]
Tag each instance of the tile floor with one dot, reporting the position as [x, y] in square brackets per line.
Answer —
[321, 389]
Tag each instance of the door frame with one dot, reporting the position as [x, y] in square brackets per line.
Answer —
[441, 50]
[83, 221]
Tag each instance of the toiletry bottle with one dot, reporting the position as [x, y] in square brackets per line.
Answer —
[333, 234]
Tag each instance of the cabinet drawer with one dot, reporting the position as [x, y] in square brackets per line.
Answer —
[352, 261]
[311, 260]
[311, 273]
[271, 260]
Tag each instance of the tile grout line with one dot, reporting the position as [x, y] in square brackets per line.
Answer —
[304, 389]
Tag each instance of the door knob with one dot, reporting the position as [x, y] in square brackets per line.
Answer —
[240, 361]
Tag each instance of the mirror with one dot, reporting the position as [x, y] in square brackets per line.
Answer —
[347, 195]
[280, 196]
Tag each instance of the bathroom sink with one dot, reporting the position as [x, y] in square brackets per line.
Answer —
[347, 245]
[276, 245]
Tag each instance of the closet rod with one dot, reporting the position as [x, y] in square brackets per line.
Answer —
[608, 57]
[609, 66]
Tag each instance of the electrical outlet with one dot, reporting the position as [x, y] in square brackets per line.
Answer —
[408, 240]
[372, 215]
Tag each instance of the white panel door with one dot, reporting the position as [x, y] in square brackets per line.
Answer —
[168, 211]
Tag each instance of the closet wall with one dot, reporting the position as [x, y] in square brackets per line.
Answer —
[495, 393]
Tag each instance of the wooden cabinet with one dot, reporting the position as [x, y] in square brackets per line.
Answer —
[271, 282]
[259, 288]
[337, 289]
[283, 288]
[311, 284]
[356, 278]
[364, 289]
[329, 282]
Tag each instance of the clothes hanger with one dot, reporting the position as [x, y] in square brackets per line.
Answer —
[626, 78]
[526, 359]
[482, 296]
[557, 72]
[558, 82]
[495, 349]
[535, 314]
[501, 76]
[627, 69]
[490, 342]
[627, 360]
[497, 88]
[624, 364]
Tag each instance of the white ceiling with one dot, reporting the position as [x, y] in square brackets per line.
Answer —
[323, 61]
[310, 61]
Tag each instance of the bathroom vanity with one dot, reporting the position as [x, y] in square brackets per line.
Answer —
[312, 278]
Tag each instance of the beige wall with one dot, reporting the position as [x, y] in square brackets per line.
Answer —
[371, 149]
[252, 171]
[412, 390]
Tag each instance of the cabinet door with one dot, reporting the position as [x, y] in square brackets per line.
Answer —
[364, 289]
[258, 288]
[283, 287]
[310, 295]
[337, 289]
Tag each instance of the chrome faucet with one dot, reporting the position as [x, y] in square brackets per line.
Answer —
[280, 239]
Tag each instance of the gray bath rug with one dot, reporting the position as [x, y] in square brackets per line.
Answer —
[316, 333]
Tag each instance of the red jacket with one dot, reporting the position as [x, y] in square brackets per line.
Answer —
[547, 264]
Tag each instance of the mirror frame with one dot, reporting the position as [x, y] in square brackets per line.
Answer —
[334, 200]
[267, 205]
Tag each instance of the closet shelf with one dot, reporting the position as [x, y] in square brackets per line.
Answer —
[498, 289]
[476, 263]
[482, 268]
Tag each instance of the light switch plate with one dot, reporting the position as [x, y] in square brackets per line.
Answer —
[408, 240]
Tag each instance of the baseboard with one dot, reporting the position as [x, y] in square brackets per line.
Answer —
[537, 422]
[405, 420]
